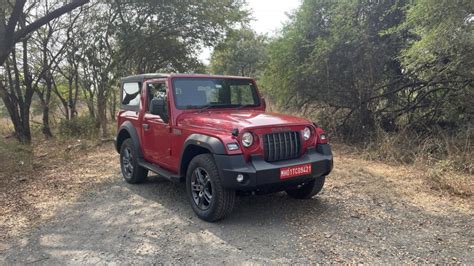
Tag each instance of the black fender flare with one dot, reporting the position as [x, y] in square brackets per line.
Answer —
[210, 143]
[127, 129]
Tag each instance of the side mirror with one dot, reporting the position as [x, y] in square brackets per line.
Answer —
[158, 107]
[264, 103]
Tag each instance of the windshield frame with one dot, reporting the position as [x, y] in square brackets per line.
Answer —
[255, 92]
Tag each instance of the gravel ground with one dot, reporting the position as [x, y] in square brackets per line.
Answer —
[367, 213]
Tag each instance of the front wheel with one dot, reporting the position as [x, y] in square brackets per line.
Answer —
[308, 190]
[209, 200]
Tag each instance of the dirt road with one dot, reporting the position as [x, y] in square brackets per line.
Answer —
[368, 212]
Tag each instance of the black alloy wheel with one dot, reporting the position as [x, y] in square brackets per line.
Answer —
[208, 198]
[201, 188]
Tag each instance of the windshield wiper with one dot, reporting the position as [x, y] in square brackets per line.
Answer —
[244, 105]
[208, 106]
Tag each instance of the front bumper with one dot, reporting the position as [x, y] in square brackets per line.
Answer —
[262, 175]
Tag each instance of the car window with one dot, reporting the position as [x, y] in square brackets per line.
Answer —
[131, 94]
[156, 91]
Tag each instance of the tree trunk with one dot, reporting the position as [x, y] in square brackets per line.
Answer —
[366, 119]
[28, 96]
[20, 125]
[89, 97]
[70, 103]
[22, 133]
[17, 99]
[46, 128]
[90, 106]
[76, 87]
[61, 99]
[113, 105]
[102, 114]
[45, 98]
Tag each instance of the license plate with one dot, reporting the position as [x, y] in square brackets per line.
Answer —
[299, 170]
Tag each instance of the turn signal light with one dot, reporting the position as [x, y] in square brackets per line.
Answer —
[232, 146]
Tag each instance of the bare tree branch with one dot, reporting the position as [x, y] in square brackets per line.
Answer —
[8, 36]
[48, 17]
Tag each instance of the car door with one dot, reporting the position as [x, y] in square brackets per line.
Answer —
[156, 131]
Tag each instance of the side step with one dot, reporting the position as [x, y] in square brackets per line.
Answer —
[160, 171]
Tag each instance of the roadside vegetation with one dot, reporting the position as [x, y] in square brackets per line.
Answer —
[391, 81]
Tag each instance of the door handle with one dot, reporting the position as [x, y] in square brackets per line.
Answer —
[146, 126]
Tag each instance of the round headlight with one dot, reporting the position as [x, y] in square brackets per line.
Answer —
[306, 133]
[247, 139]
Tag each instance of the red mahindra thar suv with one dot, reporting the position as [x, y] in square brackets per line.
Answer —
[213, 133]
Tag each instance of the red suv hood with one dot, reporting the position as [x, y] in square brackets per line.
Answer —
[228, 120]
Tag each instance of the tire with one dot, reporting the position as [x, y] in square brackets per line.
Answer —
[209, 200]
[308, 190]
[131, 171]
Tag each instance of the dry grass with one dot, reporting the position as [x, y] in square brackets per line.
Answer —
[394, 182]
[446, 160]
[444, 176]
[35, 179]
[55, 172]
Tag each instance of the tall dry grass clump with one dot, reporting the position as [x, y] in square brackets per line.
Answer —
[447, 158]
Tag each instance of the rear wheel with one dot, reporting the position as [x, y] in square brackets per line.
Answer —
[132, 172]
[308, 190]
[209, 200]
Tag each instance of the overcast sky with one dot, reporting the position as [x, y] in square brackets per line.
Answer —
[268, 17]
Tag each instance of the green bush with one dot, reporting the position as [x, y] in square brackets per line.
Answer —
[82, 126]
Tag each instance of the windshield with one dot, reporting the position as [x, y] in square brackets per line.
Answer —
[199, 93]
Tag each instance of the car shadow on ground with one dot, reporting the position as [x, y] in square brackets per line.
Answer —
[249, 209]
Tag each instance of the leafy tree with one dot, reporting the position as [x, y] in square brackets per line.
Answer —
[333, 55]
[445, 37]
[242, 53]
[167, 36]
[441, 58]
[370, 64]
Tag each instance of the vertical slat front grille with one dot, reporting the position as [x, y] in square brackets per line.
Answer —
[281, 146]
